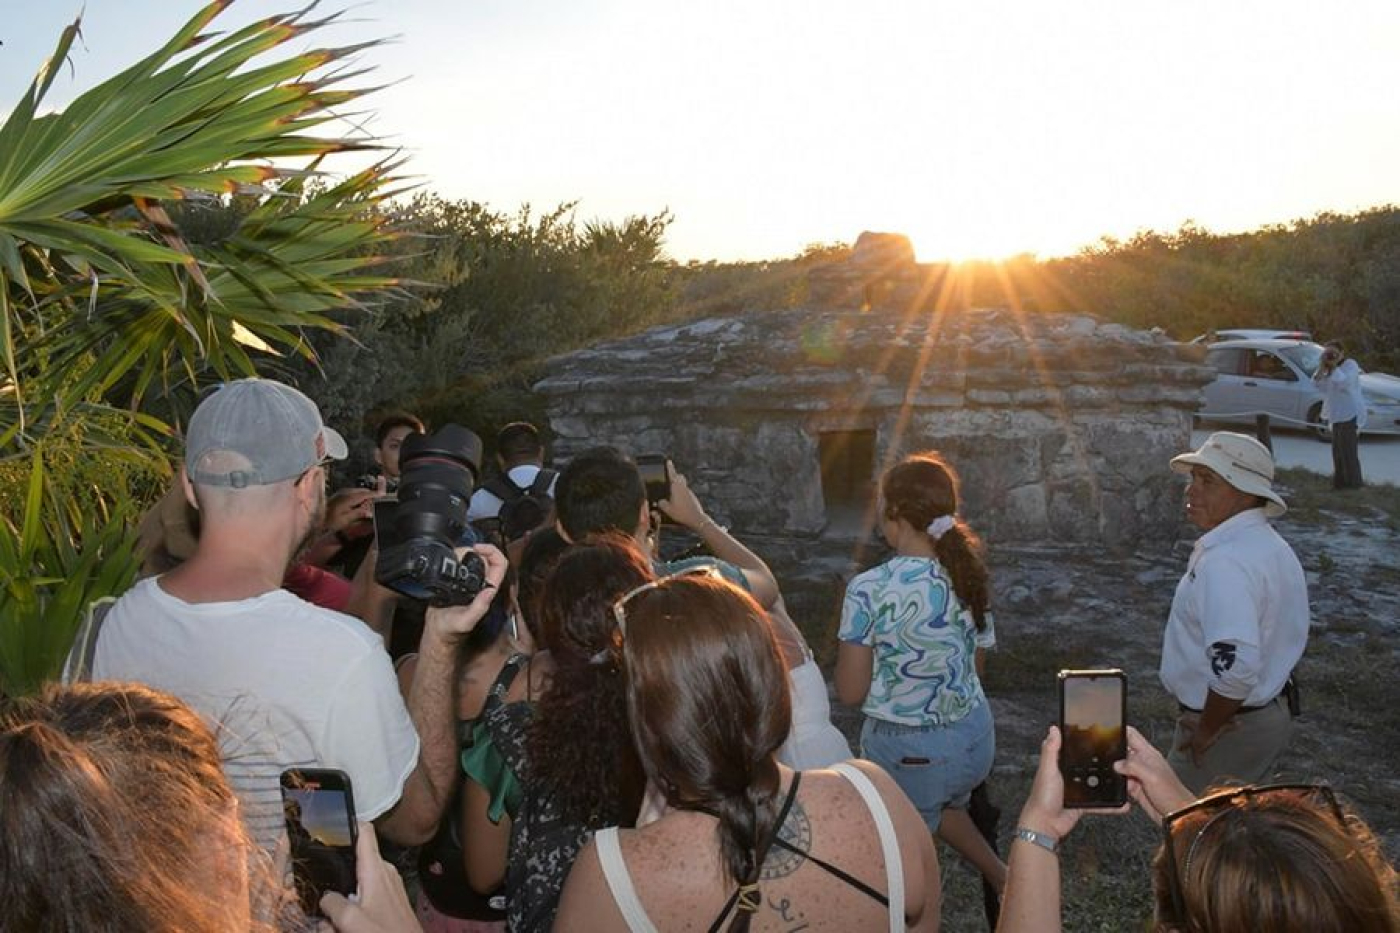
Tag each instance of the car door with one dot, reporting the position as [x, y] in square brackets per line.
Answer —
[1223, 395]
[1271, 387]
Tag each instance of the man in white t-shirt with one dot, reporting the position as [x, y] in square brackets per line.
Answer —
[285, 684]
[1239, 619]
[520, 455]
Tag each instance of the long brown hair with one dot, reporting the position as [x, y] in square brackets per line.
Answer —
[924, 487]
[1276, 862]
[707, 692]
[117, 816]
[579, 747]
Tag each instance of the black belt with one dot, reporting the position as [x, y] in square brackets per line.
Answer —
[1243, 710]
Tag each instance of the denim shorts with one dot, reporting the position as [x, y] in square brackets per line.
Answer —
[935, 766]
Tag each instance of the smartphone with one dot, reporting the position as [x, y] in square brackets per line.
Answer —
[320, 812]
[656, 472]
[1093, 716]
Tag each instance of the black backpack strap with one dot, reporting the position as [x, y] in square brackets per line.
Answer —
[543, 479]
[503, 487]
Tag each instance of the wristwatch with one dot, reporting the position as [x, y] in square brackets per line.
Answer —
[1037, 839]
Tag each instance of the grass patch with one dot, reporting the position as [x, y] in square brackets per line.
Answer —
[1311, 497]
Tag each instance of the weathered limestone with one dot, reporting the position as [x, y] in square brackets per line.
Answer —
[1061, 426]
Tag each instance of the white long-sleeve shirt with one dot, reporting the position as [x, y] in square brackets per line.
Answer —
[1341, 394]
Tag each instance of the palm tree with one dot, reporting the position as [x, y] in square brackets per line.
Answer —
[110, 311]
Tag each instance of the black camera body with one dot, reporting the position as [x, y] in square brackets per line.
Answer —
[419, 533]
[371, 481]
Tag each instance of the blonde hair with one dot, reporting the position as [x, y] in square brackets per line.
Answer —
[117, 816]
[1276, 862]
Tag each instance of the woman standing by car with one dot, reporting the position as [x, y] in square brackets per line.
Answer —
[1338, 378]
[912, 634]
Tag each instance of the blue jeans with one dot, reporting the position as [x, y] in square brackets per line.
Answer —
[935, 766]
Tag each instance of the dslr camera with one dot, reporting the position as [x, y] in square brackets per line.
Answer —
[371, 481]
[418, 534]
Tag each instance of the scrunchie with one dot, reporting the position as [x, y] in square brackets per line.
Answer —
[940, 526]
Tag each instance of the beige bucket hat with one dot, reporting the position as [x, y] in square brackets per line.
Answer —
[1241, 461]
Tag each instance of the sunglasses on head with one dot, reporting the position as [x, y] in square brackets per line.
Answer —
[1220, 804]
[619, 607]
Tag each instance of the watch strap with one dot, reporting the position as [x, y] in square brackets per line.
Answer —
[1034, 838]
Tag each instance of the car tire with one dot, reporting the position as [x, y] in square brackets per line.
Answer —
[1319, 428]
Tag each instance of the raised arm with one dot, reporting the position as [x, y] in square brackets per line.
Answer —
[685, 508]
[429, 787]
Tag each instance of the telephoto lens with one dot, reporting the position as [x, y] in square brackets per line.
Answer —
[419, 534]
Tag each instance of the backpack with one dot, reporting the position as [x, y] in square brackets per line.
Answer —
[522, 510]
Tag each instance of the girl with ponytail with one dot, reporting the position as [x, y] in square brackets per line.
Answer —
[730, 836]
[912, 634]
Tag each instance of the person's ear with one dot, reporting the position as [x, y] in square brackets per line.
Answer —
[188, 488]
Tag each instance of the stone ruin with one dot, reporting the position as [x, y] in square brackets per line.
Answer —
[1060, 426]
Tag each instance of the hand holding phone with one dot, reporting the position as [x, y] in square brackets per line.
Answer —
[319, 808]
[383, 903]
[1093, 718]
[656, 471]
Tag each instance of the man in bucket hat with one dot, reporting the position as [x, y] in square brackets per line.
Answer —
[1239, 620]
[285, 684]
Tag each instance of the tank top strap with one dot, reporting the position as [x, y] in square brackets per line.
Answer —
[889, 842]
[496, 695]
[620, 881]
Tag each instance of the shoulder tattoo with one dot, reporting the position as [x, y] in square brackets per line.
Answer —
[796, 831]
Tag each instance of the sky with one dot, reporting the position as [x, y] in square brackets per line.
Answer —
[980, 129]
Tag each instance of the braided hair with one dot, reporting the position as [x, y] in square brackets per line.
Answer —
[708, 699]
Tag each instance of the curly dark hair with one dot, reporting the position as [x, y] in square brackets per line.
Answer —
[924, 487]
[579, 745]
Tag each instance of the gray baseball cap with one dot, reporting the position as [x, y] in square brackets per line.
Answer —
[256, 432]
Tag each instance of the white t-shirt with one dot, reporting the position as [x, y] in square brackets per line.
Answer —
[284, 684]
[486, 504]
[1239, 620]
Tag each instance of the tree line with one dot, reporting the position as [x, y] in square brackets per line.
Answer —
[512, 290]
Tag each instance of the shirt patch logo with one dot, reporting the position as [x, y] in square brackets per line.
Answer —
[1222, 657]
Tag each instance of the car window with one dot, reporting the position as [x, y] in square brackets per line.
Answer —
[1306, 356]
[1264, 365]
[1226, 361]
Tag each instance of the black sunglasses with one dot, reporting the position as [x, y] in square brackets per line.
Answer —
[1224, 801]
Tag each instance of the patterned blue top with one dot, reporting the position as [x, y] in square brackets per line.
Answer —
[923, 639]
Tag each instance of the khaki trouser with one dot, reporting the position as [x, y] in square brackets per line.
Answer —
[1245, 752]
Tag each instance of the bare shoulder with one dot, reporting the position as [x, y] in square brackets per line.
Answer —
[587, 902]
[917, 852]
[533, 680]
[481, 672]
[906, 818]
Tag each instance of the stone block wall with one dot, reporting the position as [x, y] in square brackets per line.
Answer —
[1061, 426]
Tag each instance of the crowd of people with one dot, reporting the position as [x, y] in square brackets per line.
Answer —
[603, 739]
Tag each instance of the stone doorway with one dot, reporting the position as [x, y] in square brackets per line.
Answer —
[847, 460]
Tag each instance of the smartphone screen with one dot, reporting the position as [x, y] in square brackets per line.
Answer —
[320, 814]
[1093, 708]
